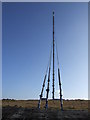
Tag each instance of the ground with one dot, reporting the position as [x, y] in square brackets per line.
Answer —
[27, 110]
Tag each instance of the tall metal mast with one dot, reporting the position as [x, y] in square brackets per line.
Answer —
[53, 58]
[53, 79]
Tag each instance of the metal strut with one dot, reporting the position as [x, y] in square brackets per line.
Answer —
[41, 95]
[61, 100]
[46, 106]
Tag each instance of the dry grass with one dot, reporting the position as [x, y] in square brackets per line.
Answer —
[67, 104]
[27, 110]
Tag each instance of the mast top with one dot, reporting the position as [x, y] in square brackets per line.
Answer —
[53, 13]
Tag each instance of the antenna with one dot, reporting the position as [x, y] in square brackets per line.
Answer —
[53, 59]
[53, 79]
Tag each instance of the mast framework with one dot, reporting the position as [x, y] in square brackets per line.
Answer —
[47, 90]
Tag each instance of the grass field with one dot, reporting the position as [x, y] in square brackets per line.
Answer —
[67, 104]
[27, 110]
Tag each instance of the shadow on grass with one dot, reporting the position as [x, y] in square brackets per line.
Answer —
[20, 113]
